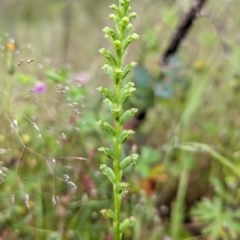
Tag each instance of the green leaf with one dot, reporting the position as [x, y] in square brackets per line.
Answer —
[148, 157]
[59, 77]
[23, 78]
[219, 220]
[142, 77]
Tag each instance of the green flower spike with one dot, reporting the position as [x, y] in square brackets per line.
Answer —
[120, 38]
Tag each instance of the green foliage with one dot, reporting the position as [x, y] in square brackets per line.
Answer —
[59, 77]
[219, 221]
[219, 216]
[144, 96]
[148, 157]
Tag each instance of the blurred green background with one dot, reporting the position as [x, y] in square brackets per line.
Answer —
[186, 182]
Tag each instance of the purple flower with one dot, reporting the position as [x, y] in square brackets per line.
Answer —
[81, 78]
[40, 88]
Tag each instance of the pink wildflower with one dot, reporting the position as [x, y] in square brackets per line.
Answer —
[81, 78]
[40, 88]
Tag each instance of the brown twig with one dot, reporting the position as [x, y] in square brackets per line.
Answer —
[182, 30]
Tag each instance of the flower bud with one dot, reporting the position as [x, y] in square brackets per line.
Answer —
[106, 127]
[125, 21]
[113, 7]
[134, 37]
[126, 223]
[118, 72]
[117, 75]
[132, 15]
[129, 39]
[110, 34]
[108, 213]
[108, 55]
[117, 111]
[126, 94]
[107, 93]
[126, 134]
[112, 16]
[127, 115]
[109, 104]
[117, 44]
[108, 172]
[129, 27]
[108, 70]
[107, 152]
[128, 68]
[129, 160]
[122, 186]
[127, 85]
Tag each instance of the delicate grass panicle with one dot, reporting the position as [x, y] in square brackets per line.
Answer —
[120, 38]
[20, 121]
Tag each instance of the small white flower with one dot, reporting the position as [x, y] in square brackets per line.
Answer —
[66, 177]
[64, 137]
[13, 198]
[26, 197]
[72, 184]
[27, 200]
[53, 200]
[2, 150]
[35, 126]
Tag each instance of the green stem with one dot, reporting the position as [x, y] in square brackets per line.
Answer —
[118, 151]
[223, 160]
[178, 207]
[117, 196]
[116, 224]
[216, 155]
[8, 94]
